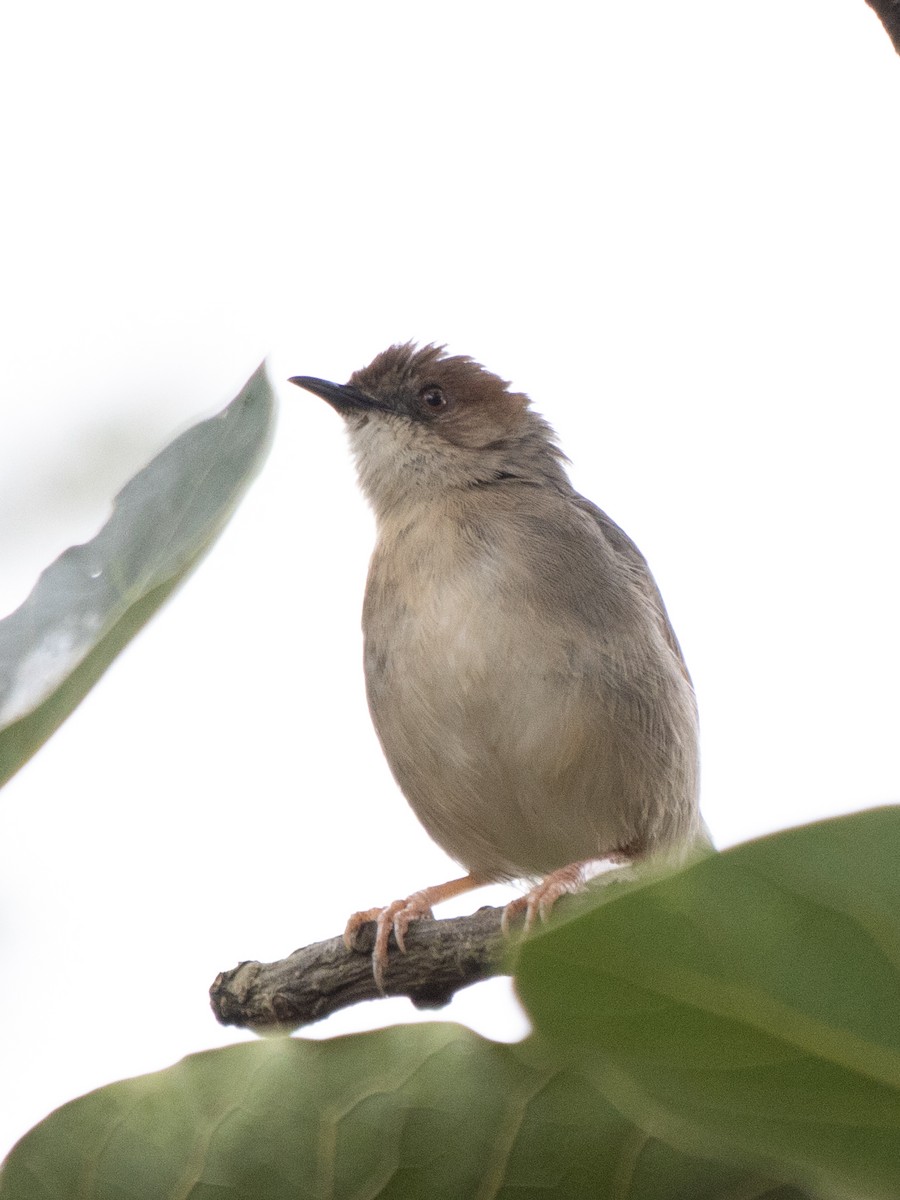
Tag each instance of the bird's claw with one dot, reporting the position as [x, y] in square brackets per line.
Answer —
[538, 903]
[394, 918]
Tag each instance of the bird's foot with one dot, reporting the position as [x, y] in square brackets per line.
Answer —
[538, 903]
[397, 917]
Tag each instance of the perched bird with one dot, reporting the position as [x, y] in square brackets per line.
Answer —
[522, 675]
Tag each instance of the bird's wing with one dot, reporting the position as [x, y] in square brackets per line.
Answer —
[636, 564]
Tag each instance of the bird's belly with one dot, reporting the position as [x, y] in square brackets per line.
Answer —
[500, 737]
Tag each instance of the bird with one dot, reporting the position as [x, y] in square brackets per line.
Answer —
[523, 677]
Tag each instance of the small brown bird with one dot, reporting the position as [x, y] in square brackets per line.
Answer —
[522, 675]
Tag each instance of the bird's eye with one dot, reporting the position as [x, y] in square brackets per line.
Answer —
[433, 397]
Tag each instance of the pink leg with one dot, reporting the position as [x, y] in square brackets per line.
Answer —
[540, 900]
[400, 914]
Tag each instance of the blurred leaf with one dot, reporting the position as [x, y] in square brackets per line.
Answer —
[94, 598]
[748, 1006]
[417, 1111]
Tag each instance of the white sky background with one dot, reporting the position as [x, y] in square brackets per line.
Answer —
[674, 226]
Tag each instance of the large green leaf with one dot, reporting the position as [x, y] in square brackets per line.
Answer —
[424, 1111]
[93, 599]
[748, 1006]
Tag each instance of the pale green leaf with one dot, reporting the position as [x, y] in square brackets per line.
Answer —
[424, 1111]
[93, 599]
[748, 1006]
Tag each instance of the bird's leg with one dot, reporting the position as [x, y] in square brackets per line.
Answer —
[538, 903]
[398, 916]
[540, 900]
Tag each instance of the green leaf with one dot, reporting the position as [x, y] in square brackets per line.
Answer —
[94, 598]
[419, 1111]
[749, 1006]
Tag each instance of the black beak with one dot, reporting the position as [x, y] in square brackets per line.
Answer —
[341, 396]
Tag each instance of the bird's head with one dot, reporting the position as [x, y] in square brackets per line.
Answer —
[422, 421]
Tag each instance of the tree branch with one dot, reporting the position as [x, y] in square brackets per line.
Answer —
[889, 13]
[441, 958]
